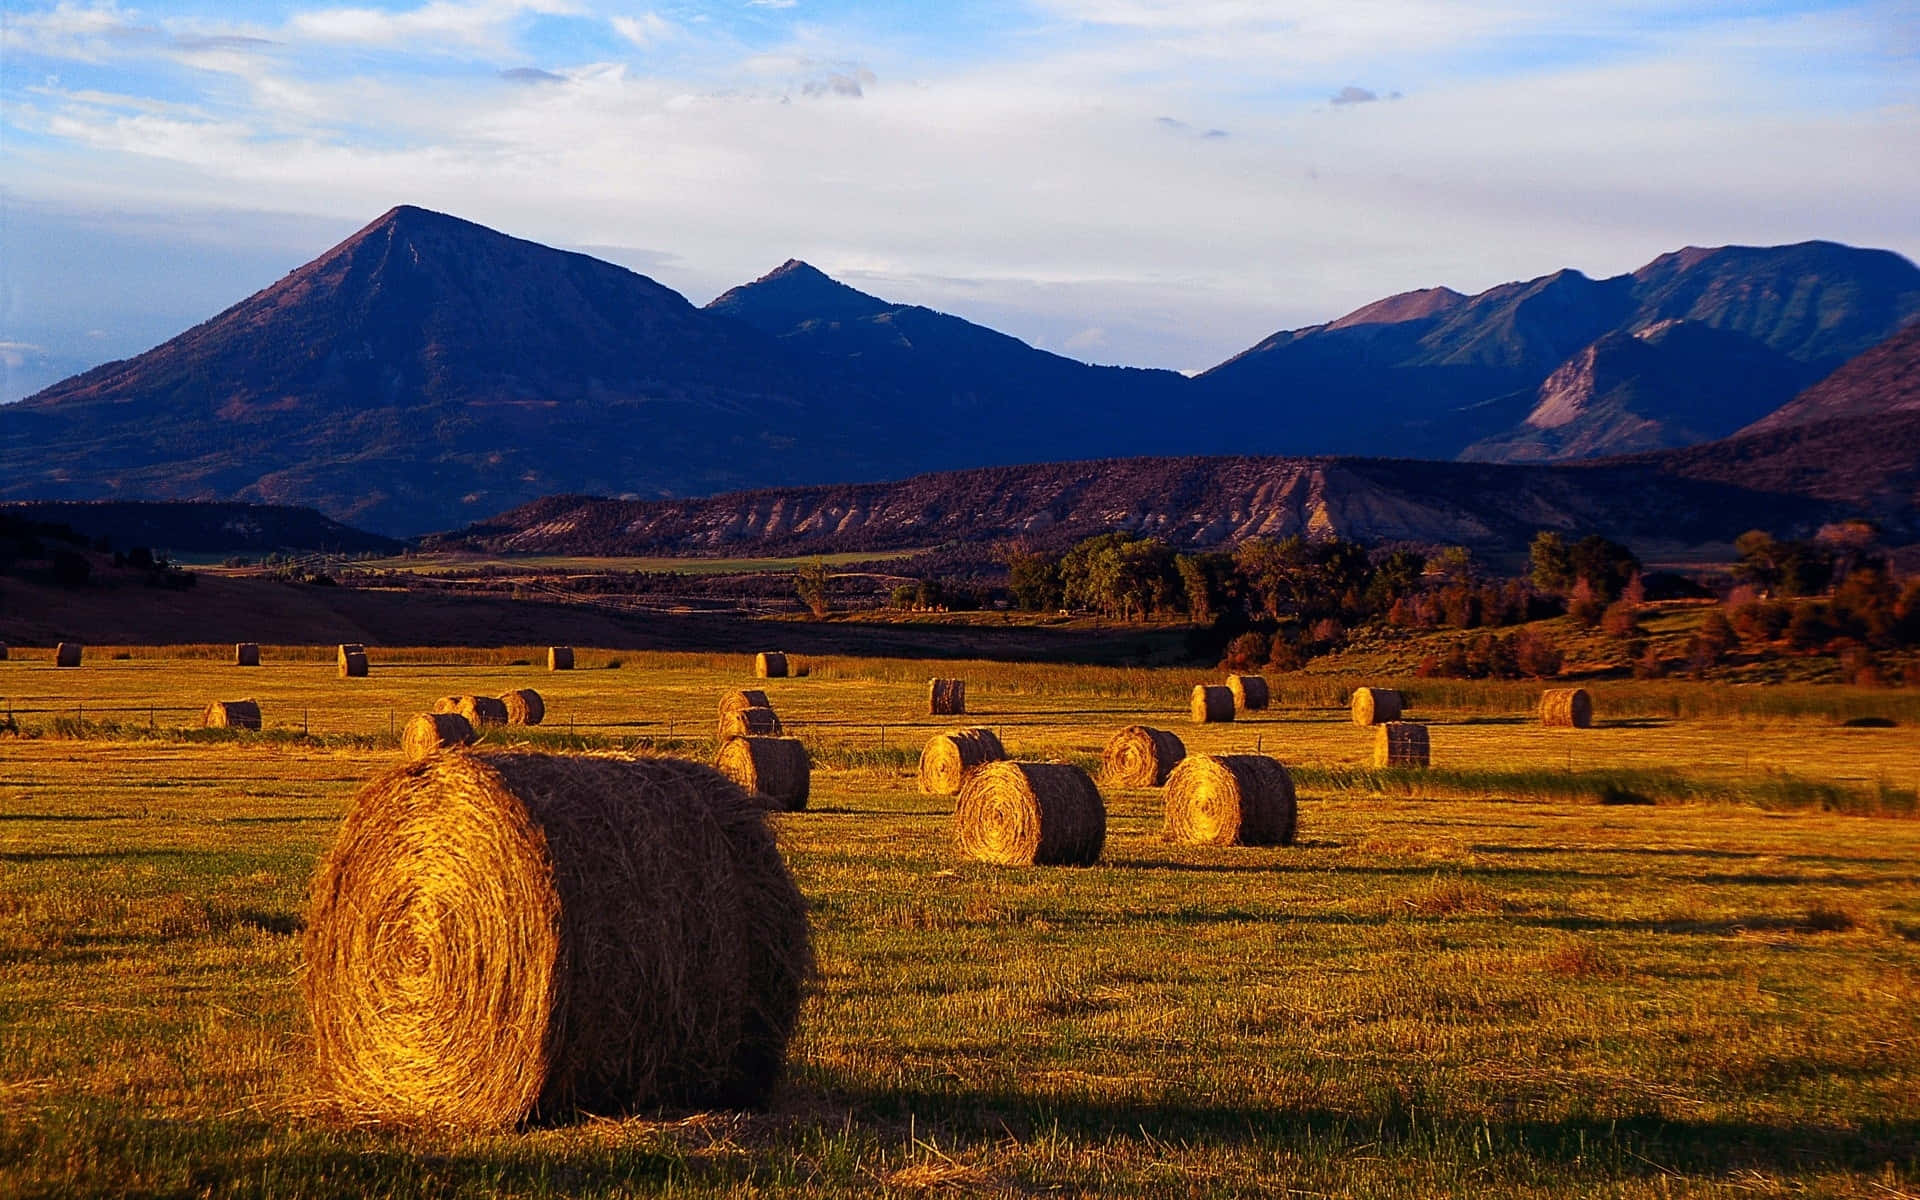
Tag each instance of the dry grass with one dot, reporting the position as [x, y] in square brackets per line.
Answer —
[1475, 981]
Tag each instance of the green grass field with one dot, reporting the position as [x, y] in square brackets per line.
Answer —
[1678, 954]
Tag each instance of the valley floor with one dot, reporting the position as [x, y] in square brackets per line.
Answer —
[1481, 980]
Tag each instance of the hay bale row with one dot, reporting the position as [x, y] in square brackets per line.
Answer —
[430, 733]
[1040, 814]
[66, 654]
[1402, 744]
[478, 710]
[946, 697]
[1566, 708]
[947, 757]
[246, 654]
[1211, 704]
[497, 938]
[770, 664]
[777, 768]
[1230, 800]
[559, 658]
[524, 706]
[749, 722]
[1377, 706]
[232, 714]
[1139, 756]
[1250, 693]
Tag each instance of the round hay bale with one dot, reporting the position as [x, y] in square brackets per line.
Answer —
[1043, 814]
[947, 757]
[232, 714]
[776, 768]
[770, 664]
[350, 648]
[749, 722]
[353, 665]
[1139, 756]
[1211, 703]
[559, 658]
[946, 697]
[1402, 744]
[749, 698]
[246, 654]
[494, 938]
[1230, 800]
[429, 733]
[66, 654]
[1250, 692]
[478, 710]
[524, 706]
[1566, 708]
[1376, 706]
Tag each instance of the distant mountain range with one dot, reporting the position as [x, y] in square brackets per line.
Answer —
[428, 372]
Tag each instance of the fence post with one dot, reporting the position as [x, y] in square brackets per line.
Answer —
[303, 723]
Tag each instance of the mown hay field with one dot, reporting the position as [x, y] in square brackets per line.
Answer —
[1678, 953]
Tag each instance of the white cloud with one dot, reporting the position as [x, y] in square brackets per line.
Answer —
[432, 26]
[645, 29]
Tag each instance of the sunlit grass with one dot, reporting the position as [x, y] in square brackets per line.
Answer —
[1502, 977]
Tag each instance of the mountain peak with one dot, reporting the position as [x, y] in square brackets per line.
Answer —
[794, 292]
[1407, 306]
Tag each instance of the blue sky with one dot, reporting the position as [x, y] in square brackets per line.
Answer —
[1149, 182]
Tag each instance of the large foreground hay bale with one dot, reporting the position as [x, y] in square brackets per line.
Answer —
[1016, 813]
[478, 710]
[1377, 706]
[232, 714]
[66, 654]
[770, 664]
[749, 722]
[946, 697]
[1230, 800]
[559, 658]
[1250, 693]
[524, 706]
[1211, 703]
[430, 733]
[777, 768]
[1139, 756]
[1566, 708]
[1402, 744]
[493, 938]
[947, 757]
[246, 654]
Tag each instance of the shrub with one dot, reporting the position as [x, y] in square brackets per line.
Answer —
[1620, 620]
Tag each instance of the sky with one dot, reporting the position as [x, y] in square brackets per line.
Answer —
[1146, 182]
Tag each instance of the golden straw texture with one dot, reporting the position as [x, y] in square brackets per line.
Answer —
[1211, 703]
[66, 654]
[524, 706]
[1250, 692]
[428, 733]
[498, 938]
[1229, 800]
[478, 710]
[749, 698]
[1043, 814]
[776, 768]
[946, 697]
[246, 654]
[1376, 706]
[947, 757]
[232, 714]
[749, 722]
[1402, 744]
[770, 664]
[1139, 756]
[1566, 708]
